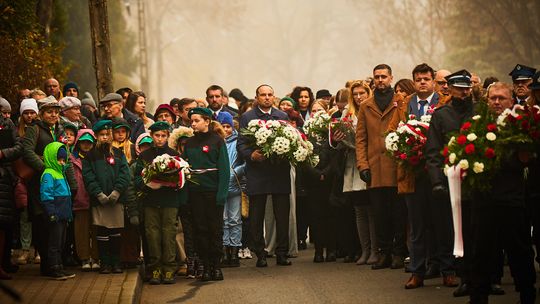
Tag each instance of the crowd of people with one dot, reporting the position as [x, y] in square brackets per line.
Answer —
[72, 192]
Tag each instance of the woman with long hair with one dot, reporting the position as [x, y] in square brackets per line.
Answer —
[303, 97]
[136, 104]
[404, 87]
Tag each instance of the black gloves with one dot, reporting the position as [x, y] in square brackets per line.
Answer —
[440, 192]
[365, 175]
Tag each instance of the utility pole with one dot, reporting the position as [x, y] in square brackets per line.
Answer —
[143, 49]
[101, 46]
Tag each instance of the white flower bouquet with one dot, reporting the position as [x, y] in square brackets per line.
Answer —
[166, 170]
[279, 140]
[316, 127]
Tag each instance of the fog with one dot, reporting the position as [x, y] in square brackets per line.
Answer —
[320, 44]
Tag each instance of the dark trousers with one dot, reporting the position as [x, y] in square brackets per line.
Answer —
[464, 264]
[281, 206]
[534, 209]
[57, 238]
[347, 235]
[507, 225]
[323, 215]
[131, 243]
[390, 220]
[69, 251]
[303, 220]
[207, 225]
[186, 218]
[109, 243]
[40, 238]
[430, 221]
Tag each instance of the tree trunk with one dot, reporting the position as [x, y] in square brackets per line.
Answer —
[101, 46]
[44, 13]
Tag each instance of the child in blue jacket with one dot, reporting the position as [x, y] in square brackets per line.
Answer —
[56, 200]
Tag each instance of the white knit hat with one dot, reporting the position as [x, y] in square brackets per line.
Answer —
[29, 104]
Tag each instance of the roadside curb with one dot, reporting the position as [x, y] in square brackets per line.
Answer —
[131, 288]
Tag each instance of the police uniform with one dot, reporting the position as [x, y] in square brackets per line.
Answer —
[444, 121]
[521, 72]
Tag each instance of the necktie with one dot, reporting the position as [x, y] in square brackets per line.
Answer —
[421, 111]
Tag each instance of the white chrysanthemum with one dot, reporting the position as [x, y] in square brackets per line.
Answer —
[472, 137]
[300, 154]
[478, 167]
[281, 145]
[290, 132]
[476, 117]
[315, 160]
[262, 135]
[491, 136]
[452, 140]
[425, 118]
[390, 141]
[463, 164]
[501, 119]
[254, 123]
[452, 158]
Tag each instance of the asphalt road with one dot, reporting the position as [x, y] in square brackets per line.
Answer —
[307, 282]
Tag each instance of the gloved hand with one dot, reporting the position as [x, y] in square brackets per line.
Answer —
[113, 197]
[102, 198]
[365, 175]
[134, 220]
[53, 218]
[440, 192]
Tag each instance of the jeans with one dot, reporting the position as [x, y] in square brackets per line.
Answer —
[232, 222]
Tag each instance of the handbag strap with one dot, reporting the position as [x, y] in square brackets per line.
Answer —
[237, 179]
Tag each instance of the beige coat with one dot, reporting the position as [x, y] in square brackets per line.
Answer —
[370, 147]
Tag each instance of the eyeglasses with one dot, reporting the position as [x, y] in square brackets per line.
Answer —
[441, 82]
[108, 105]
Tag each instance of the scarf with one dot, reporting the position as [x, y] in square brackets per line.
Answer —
[125, 147]
[383, 98]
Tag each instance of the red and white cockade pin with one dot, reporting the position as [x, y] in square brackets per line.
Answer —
[205, 149]
[110, 160]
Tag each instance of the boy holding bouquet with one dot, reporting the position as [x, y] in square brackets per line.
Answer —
[160, 207]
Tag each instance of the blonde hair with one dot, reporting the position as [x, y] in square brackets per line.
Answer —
[353, 108]
[108, 144]
[321, 103]
[37, 92]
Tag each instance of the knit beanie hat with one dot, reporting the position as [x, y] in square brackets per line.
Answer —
[88, 100]
[62, 153]
[4, 105]
[29, 104]
[225, 118]
[70, 85]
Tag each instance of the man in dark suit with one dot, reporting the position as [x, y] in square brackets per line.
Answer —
[214, 97]
[266, 177]
[430, 221]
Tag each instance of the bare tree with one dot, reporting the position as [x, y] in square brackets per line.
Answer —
[101, 46]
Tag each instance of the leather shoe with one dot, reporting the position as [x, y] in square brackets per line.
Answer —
[414, 281]
[318, 258]
[496, 289]
[462, 290]
[282, 261]
[207, 274]
[397, 262]
[385, 260]
[450, 280]
[261, 262]
[217, 275]
[432, 272]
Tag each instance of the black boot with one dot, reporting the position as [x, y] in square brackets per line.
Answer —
[235, 261]
[207, 272]
[226, 261]
[261, 260]
[282, 260]
[318, 258]
[217, 275]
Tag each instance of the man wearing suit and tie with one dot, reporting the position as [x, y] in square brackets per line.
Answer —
[521, 78]
[430, 221]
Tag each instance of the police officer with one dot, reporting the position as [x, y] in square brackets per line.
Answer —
[522, 77]
[444, 121]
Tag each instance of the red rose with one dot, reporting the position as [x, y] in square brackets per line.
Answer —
[519, 117]
[462, 139]
[466, 126]
[492, 127]
[414, 160]
[403, 156]
[446, 161]
[525, 125]
[469, 149]
[171, 165]
[490, 153]
[410, 140]
[445, 151]
[205, 149]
